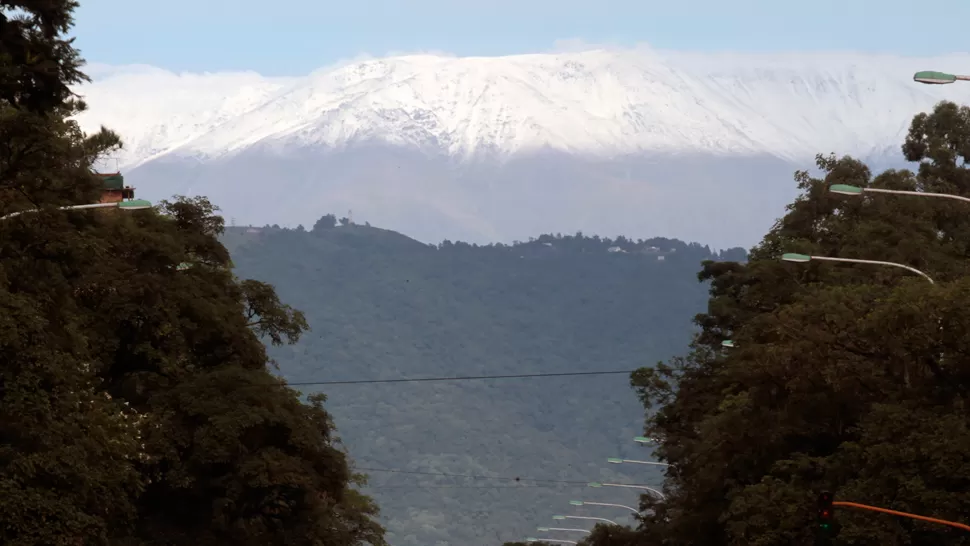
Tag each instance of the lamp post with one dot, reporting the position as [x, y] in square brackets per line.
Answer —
[621, 461]
[531, 539]
[611, 522]
[803, 258]
[584, 503]
[134, 204]
[642, 487]
[845, 189]
[932, 77]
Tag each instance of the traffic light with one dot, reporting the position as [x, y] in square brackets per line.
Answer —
[827, 526]
[826, 513]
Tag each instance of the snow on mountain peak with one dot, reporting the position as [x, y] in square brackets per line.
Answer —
[597, 102]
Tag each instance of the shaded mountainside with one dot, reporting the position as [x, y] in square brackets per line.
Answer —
[383, 306]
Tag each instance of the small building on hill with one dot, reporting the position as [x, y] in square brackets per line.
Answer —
[114, 189]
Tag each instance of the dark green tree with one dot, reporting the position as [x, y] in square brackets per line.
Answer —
[327, 221]
[231, 456]
[850, 378]
[136, 403]
[67, 474]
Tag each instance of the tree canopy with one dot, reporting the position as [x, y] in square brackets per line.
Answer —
[136, 402]
[851, 378]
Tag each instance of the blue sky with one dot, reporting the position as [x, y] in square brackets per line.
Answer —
[293, 37]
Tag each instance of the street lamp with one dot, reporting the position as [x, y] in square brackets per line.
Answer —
[645, 440]
[803, 258]
[584, 503]
[643, 487]
[932, 77]
[530, 539]
[547, 529]
[585, 517]
[134, 204]
[620, 461]
[728, 344]
[845, 189]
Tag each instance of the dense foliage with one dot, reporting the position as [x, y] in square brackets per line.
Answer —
[383, 306]
[846, 377]
[136, 405]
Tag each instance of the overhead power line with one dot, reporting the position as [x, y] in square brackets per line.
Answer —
[461, 378]
[465, 486]
[472, 476]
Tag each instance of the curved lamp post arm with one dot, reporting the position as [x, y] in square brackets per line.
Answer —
[583, 503]
[530, 539]
[642, 487]
[919, 194]
[845, 189]
[136, 204]
[611, 522]
[544, 529]
[802, 258]
[72, 207]
[618, 461]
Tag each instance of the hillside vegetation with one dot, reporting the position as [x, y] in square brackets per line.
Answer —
[383, 306]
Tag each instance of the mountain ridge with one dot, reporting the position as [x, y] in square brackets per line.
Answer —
[384, 306]
[597, 103]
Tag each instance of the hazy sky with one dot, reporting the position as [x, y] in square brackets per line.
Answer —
[293, 37]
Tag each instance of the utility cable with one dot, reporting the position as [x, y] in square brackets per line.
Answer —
[531, 482]
[434, 486]
[461, 378]
[470, 476]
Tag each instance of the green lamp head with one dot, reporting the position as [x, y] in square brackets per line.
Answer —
[845, 189]
[798, 258]
[135, 204]
[932, 77]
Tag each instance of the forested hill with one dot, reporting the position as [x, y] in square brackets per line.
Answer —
[383, 306]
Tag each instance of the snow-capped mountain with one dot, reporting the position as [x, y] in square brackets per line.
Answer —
[603, 103]
[467, 146]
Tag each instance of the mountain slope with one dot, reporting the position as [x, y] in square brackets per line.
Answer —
[382, 306]
[599, 102]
